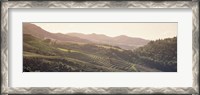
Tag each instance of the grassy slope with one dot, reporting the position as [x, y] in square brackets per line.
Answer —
[47, 56]
[42, 56]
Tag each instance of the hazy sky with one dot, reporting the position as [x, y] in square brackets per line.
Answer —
[150, 31]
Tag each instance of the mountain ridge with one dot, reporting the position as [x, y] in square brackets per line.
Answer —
[122, 41]
[38, 32]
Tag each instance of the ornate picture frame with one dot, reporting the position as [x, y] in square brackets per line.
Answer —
[6, 5]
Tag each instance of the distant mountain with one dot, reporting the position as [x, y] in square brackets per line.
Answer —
[125, 42]
[38, 32]
[122, 41]
[98, 38]
[130, 40]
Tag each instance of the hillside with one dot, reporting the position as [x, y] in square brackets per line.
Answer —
[122, 41]
[159, 54]
[42, 34]
[44, 56]
[49, 52]
[41, 55]
[125, 42]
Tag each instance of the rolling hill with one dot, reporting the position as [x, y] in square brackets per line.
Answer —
[43, 34]
[49, 52]
[122, 41]
[125, 42]
[40, 55]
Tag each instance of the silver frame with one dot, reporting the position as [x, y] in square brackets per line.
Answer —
[5, 89]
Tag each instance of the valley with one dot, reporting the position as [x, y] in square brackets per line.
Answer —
[75, 52]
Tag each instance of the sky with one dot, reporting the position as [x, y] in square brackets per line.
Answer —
[149, 31]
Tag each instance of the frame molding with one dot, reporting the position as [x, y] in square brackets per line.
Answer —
[5, 89]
